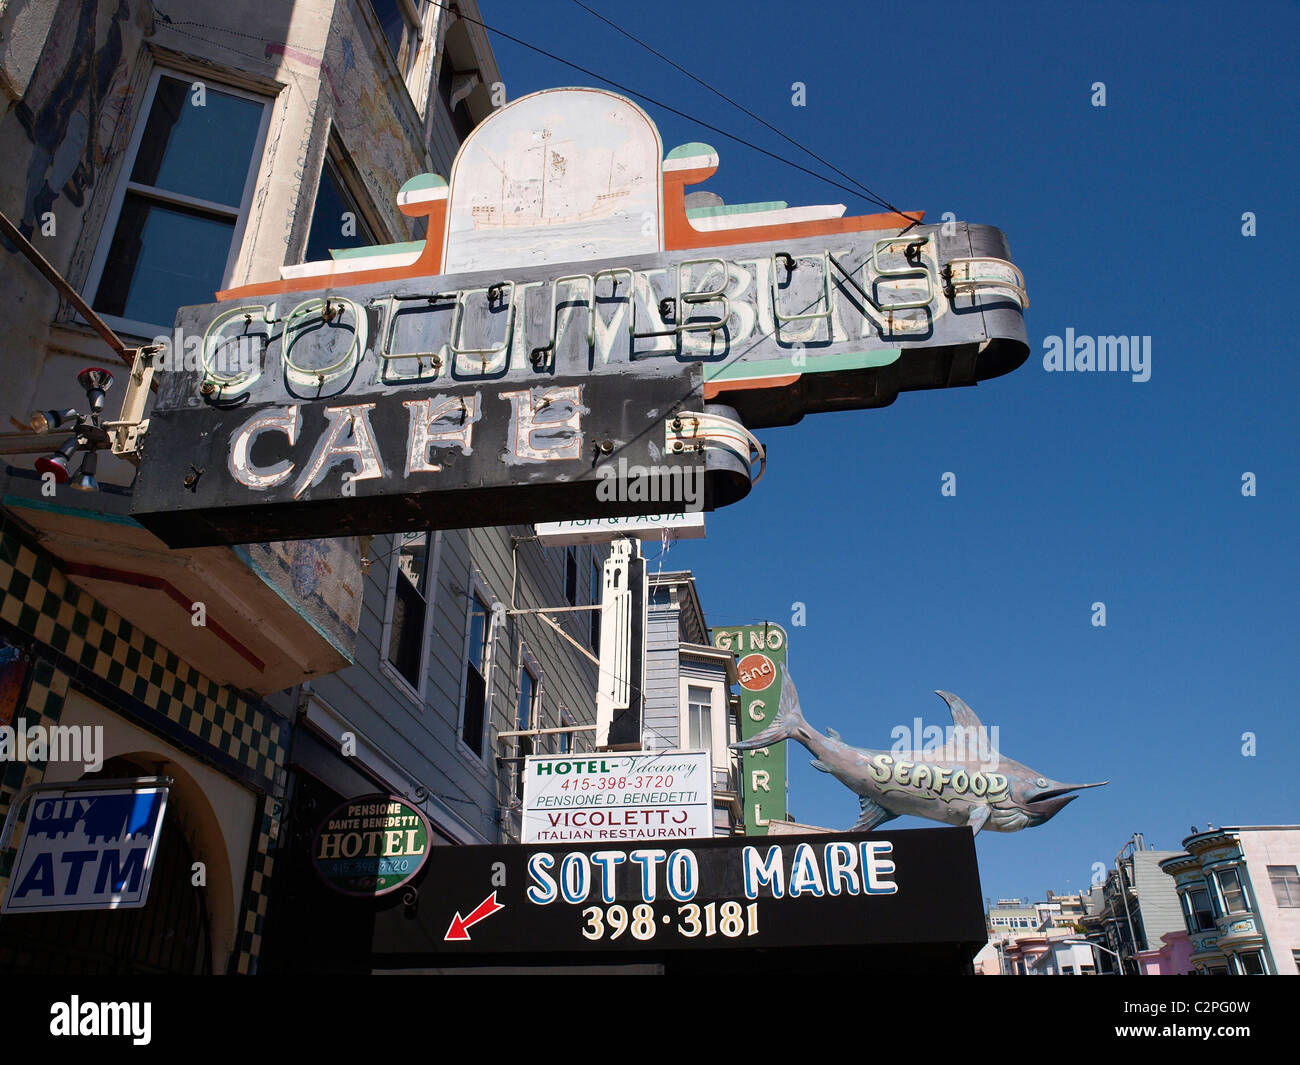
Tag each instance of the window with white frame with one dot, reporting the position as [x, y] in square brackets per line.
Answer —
[1231, 891]
[699, 718]
[474, 699]
[1286, 884]
[526, 704]
[178, 213]
[408, 606]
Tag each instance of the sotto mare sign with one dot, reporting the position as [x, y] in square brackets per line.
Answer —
[664, 895]
[568, 338]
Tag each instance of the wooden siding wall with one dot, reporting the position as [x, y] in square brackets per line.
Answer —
[423, 737]
[663, 676]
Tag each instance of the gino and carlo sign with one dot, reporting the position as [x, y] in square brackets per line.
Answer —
[566, 313]
[760, 652]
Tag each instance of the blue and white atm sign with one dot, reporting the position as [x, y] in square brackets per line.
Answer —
[87, 850]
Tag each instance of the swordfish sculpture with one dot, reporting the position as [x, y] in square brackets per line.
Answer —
[982, 790]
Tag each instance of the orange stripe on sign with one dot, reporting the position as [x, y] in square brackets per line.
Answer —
[712, 389]
[429, 264]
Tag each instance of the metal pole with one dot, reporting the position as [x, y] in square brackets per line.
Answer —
[66, 290]
[545, 731]
[1097, 946]
[1123, 887]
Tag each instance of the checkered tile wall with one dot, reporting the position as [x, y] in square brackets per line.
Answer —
[76, 637]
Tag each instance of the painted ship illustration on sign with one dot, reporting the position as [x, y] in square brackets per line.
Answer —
[981, 789]
[548, 193]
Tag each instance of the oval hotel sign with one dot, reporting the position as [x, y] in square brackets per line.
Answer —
[371, 845]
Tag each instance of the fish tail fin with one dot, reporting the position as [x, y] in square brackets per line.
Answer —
[788, 723]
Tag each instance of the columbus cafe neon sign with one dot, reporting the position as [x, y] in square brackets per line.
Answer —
[568, 314]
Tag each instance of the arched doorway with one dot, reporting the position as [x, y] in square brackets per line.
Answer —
[167, 936]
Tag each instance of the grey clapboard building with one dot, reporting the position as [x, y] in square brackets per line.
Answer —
[447, 659]
[156, 154]
[156, 159]
[689, 704]
[1134, 907]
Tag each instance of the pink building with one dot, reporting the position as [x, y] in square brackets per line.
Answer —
[1172, 958]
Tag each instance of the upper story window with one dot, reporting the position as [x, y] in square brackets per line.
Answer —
[1197, 910]
[699, 718]
[400, 25]
[571, 576]
[179, 210]
[1286, 884]
[336, 219]
[1231, 891]
[408, 607]
[526, 713]
[453, 90]
[473, 720]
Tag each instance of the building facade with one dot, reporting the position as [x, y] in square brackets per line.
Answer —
[1058, 958]
[155, 158]
[689, 704]
[1133, 909]
[1239, 890]
[1026, 939]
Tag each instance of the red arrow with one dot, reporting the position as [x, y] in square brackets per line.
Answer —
[460, 926]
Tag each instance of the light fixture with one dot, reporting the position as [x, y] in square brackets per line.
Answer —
[87, 433]
[57, 463]
[85, 479]
[96, 381]
[44, 421]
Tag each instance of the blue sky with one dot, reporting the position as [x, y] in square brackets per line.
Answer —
[1071, 488]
